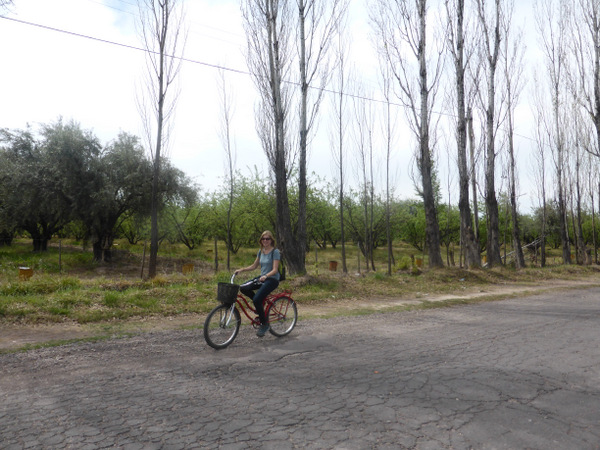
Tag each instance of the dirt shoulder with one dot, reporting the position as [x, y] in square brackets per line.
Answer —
[15, 337]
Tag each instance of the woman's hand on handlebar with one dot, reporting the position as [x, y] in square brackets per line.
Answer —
[234, 275]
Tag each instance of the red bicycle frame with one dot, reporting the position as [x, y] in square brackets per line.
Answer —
[243, 303]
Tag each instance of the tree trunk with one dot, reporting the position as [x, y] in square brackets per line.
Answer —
[491, 39]
[302, 188]
[582, 257]
[160, 29]
[341, 202]
[562, 210]
[431, 224]
[415, 92]
[37, 238]
[543, 243]
[97, 250]
[516, 231]
[293, 254]
[468, 238]
[594, 226]
[388, 227]
[156, 172]
[473, 177]
[493, 238]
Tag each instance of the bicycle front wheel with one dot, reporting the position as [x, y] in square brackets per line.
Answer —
[222, 326]
[283, 315]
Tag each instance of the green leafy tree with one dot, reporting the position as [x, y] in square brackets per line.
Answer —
[255, 207]
[75, 229]
[449, 230]
[252, 211]
[191, 222]
[13, 145]
[135, 228]
[46, 178]
[410, 215]
[322, 219]
[119, 186]
[30, 190]
[591, 235]
[355, 219]
[553, 223]
[64, 176]
[531, 235]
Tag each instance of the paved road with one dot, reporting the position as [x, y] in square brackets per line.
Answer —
[521, 373]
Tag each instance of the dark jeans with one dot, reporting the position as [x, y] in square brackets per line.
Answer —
[258, 297]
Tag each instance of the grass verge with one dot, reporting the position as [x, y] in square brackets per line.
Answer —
[51, 298]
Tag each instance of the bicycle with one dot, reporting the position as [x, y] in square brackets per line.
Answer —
[222, 324]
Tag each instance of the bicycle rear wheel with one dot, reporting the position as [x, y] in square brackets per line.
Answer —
[283, 315]
[222, 326]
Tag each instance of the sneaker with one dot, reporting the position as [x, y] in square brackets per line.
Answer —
[262, 330]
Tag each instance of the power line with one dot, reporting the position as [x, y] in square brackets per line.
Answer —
[215, 66]
[119, 44]
[194, 61]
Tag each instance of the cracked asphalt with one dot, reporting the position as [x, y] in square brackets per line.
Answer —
[519, 373]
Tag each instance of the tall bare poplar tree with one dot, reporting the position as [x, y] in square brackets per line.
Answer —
[455, 10]
[543, 142]
[401, 29]
[317, 25]
[552, 19]
[161, 28]
[269, 58]
[490, 18]
[228, 146]
[388, 133]
[363, 130]
[585, 84]
[339, 105]
[473, 173]
[586, 76]
[270, 54]
[513, 85]
[580, 143]
[592, 174]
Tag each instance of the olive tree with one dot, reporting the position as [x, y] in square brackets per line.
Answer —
[47, 178]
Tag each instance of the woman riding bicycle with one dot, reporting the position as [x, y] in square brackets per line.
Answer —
[267, 259]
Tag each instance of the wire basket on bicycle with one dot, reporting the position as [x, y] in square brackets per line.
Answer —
[227, 293]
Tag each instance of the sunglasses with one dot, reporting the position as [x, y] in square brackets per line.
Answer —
[265, 239]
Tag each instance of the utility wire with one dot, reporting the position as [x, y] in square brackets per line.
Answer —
[119, 44]
[213, 66]
[194, 61]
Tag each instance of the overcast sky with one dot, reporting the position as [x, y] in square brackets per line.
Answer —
[47, 74]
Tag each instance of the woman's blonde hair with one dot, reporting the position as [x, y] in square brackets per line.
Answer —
[268, 234]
